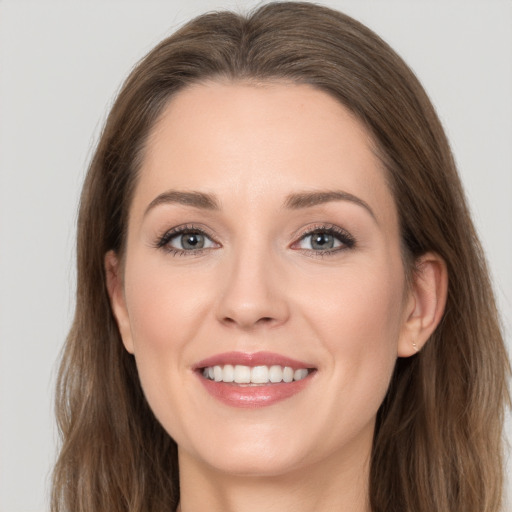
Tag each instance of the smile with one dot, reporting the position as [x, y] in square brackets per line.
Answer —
[253, 380]
[241, 374]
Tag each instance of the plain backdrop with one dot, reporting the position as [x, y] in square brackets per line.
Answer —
[61, 64]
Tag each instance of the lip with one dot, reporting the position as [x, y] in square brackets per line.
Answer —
[247, 395]
[252, 359]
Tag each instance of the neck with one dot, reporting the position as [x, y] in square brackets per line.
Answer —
[324, 486]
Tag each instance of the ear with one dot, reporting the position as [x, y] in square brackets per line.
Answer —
[425, 304]
[115, 290]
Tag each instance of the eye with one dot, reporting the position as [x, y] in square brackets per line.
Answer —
[190, 241]
[185, 240]
[319, 241]
[326, 239]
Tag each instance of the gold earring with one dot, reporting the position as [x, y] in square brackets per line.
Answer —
[415, 346]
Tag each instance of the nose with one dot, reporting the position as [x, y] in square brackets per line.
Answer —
[253, 293]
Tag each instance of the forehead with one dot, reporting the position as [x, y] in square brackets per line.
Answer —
[261, 141]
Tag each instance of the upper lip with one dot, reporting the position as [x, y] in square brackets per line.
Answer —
[252, 359]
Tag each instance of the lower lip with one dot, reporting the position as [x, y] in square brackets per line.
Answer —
[253, 396]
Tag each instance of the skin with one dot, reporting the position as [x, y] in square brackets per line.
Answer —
[259, 286]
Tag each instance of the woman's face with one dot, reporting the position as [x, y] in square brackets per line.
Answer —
[263, 245]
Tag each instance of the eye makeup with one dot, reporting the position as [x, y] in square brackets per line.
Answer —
[322, 239]
[193, 239]
[325, 240]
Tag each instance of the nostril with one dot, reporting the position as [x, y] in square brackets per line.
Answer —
[266, 320]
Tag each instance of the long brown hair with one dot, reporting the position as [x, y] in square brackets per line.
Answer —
[438, 436]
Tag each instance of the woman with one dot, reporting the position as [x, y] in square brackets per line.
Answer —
[282, 302]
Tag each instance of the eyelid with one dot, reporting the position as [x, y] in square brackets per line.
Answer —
[341, 234]
[162, 240]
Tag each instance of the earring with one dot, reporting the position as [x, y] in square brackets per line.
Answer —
[415, 346]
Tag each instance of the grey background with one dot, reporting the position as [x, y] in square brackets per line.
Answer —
[60, 66]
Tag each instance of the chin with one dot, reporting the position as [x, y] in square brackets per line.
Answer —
[258, 454]
[254, 465]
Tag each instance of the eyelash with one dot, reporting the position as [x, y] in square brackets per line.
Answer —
[343, 236]
[163, 241]
[340, 234]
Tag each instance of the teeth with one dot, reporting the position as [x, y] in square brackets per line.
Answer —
[259, 375]
[275, 373]
[300, 374]
[242, 374]
[217, 373]
[228, 373]
[288, 374]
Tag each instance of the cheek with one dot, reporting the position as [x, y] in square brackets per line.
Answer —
[359, 322]
[165, 312]
[358, 307]
[164, 305]
[371, 317]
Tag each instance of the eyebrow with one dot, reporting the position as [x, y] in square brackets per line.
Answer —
[295, 201]
[309, 199]
[195, 199]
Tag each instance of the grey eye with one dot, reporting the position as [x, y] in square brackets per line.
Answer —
[192, 241]
[320, 241]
